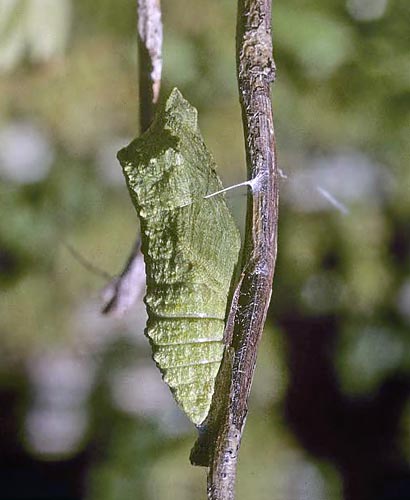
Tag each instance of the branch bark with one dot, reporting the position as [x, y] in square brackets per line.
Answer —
[219, 441]
[122, 292]
[150, 58]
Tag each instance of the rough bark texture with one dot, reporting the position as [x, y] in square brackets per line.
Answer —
[122, 292]
[219, 442]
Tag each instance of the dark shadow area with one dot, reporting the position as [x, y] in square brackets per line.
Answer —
[22, 477]
[360, 436]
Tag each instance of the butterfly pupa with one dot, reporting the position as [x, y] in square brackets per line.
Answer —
[190, 246]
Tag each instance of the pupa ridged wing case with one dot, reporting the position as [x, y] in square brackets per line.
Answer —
[190, 246]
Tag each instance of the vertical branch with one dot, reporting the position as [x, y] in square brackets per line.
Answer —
[150, 58]
[121, 293]
[219, 444]
[256, 72]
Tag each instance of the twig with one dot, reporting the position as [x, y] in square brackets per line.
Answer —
[150, 58]
[123, 291]
[218, 446]
[86, 263]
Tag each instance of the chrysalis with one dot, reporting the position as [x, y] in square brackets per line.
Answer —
[190, 246]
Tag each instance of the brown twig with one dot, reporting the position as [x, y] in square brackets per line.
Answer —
[218, 446]
[122, 292]
[150, 58]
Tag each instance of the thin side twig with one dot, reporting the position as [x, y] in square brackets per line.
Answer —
[218, 446]
[122, 292]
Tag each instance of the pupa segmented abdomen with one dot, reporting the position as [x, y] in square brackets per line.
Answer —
[190, 246]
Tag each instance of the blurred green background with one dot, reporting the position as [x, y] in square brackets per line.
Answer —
[83, 411]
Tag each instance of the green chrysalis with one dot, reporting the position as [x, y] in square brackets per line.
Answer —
[190, 246]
